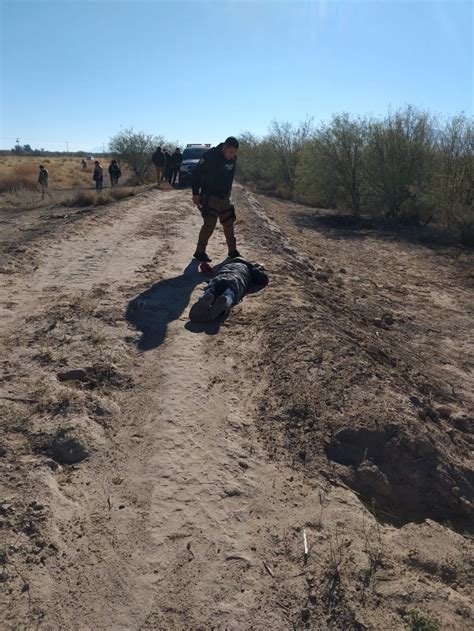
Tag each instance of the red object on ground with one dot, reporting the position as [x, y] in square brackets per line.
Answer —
[206, 269]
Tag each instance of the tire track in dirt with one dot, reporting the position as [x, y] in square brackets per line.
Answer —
[101, 249]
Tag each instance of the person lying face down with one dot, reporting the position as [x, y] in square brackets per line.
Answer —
[226, 289]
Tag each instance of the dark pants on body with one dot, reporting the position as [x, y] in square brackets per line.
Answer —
[226, 288]
[213, 209]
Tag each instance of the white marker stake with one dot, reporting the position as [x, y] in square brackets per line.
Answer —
[305, 542]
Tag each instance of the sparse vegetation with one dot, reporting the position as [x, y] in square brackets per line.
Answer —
[418, 621]
[135, 149]
[84, 198]
[408, 166]
[19, 176]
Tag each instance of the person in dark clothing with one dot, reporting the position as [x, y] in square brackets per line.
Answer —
[43, 181]
[159, 160]
[176, 160]
[98, 177]
[212, 184]
[84, 164]
[167, 165]
[114, 173]
[227, 288]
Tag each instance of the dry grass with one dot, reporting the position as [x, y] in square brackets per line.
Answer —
[17, 177]
[91, 198]
[18, 172]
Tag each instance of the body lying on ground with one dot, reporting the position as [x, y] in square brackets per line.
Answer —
[226, 289]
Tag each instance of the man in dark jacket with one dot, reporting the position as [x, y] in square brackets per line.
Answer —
[159, 161]
[167, 164]
[98, 176]
[226, 289]
[176, 160]
[212, 184]
[114, 173]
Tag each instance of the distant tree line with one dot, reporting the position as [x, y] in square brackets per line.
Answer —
[408, 166]
[26, 150]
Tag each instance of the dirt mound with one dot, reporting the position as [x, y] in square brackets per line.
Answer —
[404, 477]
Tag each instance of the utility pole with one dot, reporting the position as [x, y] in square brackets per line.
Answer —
[67, 146]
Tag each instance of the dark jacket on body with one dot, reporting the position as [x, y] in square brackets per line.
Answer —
[114, 171]
[159, 159]
[214, 174]
[238, 274]
[176, 159]
[43, 178]
[98, 173]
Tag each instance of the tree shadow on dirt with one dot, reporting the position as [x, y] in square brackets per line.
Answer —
[152, 310]
[335, 226]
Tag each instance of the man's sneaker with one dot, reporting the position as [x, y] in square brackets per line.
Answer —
[233, 254]
[200, 311]
[202, 256]
[220, 307]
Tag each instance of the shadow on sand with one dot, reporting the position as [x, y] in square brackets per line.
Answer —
[152, 310]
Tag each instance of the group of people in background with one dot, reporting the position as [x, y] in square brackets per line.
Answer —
[167, 168]
[98, 175]
[167, 165]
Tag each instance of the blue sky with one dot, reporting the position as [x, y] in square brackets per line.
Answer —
[198, 71]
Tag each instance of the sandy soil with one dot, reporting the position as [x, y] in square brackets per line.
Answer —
[161, 475]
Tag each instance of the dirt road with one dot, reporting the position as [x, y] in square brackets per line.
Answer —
[162, 475]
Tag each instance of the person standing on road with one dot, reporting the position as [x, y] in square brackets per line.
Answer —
[212, 184]
[159, 160]
[98, 177]
[167, 165]
[176, 160]
[43, 178]
[114, 173]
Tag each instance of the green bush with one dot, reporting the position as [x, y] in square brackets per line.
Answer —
[404, 166]
[418, 621]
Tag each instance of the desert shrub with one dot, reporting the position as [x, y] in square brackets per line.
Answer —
[270, 163]
[330, 170]
[82, 198]
[399, 161]
[91, 198]
[122, 193]
[453, 187]
[418, 621]
[22, 176]
[135, 149]
[104, 198]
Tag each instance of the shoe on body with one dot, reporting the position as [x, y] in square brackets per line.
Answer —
[202, 256]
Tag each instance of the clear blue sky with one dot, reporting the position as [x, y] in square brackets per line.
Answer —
[198, 71]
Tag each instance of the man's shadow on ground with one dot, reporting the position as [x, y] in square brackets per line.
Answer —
[152, 310]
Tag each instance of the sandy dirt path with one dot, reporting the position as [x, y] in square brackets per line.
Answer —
[177, 541]
[181, 516]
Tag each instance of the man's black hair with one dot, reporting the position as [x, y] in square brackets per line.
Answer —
[232, 142]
